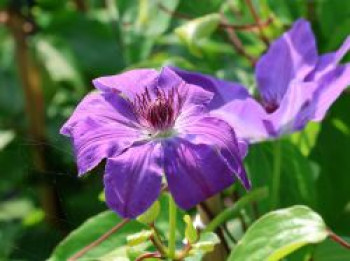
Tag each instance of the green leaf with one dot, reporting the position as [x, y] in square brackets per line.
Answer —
[102, 196]
[194, 31]
[306, 139]
[145, 21]
[198, 8]
[139, 238]
[298, 174]
[93, 42]
[191, 233]
[332, 155]
[206, 243]
[151, 214]
[91, 230]
[279, 233]
[6, 137]
[59, 62]
[15, 209]
[8, 234]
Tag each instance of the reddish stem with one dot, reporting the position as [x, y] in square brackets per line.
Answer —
[258, 22]
[237, 44]
[99, 240]
[148, 255]
[243, 27]
[338, 239]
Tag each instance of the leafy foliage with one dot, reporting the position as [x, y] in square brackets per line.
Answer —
[70, 42]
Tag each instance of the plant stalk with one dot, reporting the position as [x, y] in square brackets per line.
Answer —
[276, 175]
[172, 228]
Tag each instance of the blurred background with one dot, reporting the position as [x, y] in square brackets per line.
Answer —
[51, 50]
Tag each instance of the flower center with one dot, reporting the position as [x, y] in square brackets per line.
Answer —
[158, 113]
[270, 107]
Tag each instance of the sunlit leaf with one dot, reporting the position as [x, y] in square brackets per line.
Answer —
[15, 209]
[191, 233]
[139, 238]
[196, 30]
[279, 233]
[307, 138]
[5, 138]
[151, 214]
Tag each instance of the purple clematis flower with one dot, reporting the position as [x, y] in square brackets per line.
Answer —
[296, 86]
[295, 83]
[146, 123]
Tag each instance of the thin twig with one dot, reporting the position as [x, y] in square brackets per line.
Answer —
[247, 27]
[157, 241]
[243, 27]
[148, 255]
[338, 239]
[258, 22]
[81, 5]
[184, 252]
[237, 44]
[99, 240]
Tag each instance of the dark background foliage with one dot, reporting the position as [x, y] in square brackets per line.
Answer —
[51, 50]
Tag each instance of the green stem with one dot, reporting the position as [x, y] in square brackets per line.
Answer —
[276, 175]
[172, 228]
[157, 242]
[234, 211]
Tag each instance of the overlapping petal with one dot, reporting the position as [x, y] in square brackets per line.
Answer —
[331, 86]
[219, 135]
[192, 94]
[246, 116]
[129, 83]
[194, 172]
[298, 97]
[329, 61]
[291, 57]
[133, 179]
[224, 91]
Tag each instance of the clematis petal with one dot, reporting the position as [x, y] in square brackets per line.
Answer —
[94, 141]
[329, 61]
[194, 172]
[291, 57]
[133, 179]
[129, 83]
[224, 91]
[101, 108]
[246, 116]
[219, 135]
[330, 87]
[288, 117]
[192, 94]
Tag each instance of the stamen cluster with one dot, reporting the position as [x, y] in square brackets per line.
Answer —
[160, 112]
